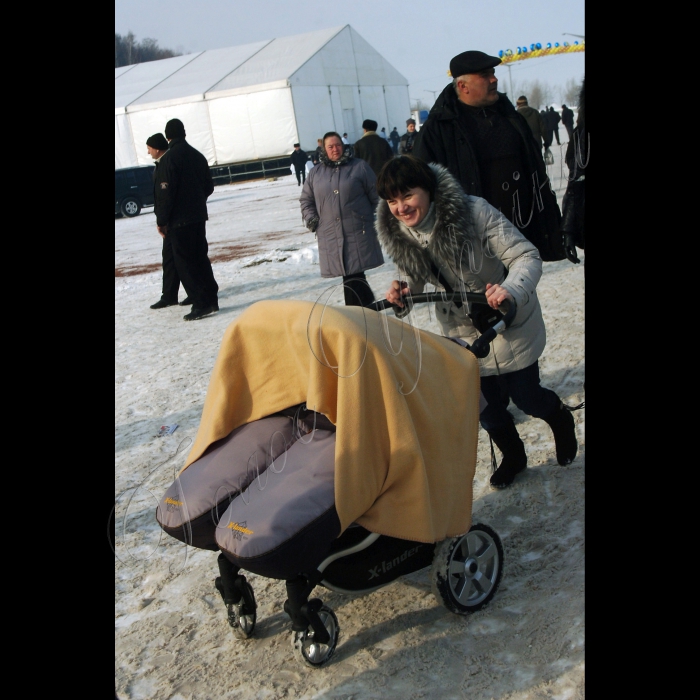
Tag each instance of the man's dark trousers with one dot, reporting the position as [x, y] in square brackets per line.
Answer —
[171, 280]
[190, 248]
[301, 175]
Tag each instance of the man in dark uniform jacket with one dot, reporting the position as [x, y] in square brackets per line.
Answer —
[157, 146]
[182, 188]
[299, 159]
[477, 134]
[372, 148]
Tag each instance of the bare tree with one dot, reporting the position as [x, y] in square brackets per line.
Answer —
[417, 104]
[570, 92]
[128, 51]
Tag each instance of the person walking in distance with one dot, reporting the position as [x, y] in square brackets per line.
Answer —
[567, 119]
[299, 159]
[554, 120]
[533, 118]
[394, 139]
[184, 184]
[157, 146]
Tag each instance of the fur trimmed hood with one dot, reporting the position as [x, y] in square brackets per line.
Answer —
[452, 239]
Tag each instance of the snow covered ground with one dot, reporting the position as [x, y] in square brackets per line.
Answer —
[172, 641]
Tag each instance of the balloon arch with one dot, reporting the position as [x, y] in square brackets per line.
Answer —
[537, 51]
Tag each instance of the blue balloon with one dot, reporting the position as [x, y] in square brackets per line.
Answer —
[519, 50]
[549, 45]
[532, 47]
[539, 46]
[576, 43]
[566, 43]
[556, 44]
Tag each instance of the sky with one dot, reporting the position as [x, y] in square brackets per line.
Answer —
[415, 39]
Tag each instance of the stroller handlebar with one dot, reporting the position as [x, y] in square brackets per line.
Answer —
[480, 347]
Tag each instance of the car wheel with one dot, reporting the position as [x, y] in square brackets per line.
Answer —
[131, 207]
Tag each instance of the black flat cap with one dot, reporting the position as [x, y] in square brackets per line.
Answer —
[472, 62]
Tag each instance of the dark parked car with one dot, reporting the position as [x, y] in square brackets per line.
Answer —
[133, 189]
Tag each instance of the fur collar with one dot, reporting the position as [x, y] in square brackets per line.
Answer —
[453, 236]
[323, 157]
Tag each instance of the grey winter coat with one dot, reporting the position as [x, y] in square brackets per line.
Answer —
[472, 244]
[339, 199]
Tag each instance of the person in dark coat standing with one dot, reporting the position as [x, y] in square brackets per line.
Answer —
[574, 202]
[567, 119]
[548, 134]
[394, 139]
[184, 183]
[337, 203]
[554, 120]
[533, 118]
[408, 140]
[157, 146]
[373, 148]
[477, 134]
[299, 159]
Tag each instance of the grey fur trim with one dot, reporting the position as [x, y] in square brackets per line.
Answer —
[451, 242]
[323, 157]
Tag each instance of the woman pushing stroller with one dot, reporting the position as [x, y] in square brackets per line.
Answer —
[436, 233]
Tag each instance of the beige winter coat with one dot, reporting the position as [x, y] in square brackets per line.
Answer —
[472, 244]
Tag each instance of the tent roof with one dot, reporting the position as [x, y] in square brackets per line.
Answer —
[173, 79]
[264, 64]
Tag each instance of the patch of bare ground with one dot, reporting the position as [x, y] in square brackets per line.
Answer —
[221, 251]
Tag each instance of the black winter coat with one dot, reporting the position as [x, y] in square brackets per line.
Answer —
[567, 117]
[574, 203]
[299, 159]
[443, 139]
[374, 150]
[183, 184]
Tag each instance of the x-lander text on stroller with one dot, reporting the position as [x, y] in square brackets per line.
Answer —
[292, 531]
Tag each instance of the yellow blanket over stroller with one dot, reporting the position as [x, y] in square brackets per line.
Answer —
[405, 404]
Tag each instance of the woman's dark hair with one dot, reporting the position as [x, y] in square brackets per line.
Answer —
[328, 134]
[403, 173]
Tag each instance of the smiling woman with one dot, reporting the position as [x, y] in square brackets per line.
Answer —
[337, 203]
[436, 233]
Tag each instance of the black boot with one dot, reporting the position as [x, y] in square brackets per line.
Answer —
[562, 424]
[514, 458]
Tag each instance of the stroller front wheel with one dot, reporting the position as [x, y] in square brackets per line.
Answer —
[242, 616]
[314, 653]
[467, 570]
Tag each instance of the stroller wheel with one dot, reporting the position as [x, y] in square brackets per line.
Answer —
[313, 653]
[467, 570]
[242, 617]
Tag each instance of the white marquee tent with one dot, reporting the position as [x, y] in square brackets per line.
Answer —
[250, 102]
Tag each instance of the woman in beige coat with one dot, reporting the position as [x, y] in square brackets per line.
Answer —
[436, 233]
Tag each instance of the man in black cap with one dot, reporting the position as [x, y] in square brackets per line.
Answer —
[181, 215]
[475, 132]
[372, 148]
[157, 146]
[299, 159]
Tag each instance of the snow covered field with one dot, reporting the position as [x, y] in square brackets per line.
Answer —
[172, 640]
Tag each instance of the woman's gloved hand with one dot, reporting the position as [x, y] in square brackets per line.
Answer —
[312, 224]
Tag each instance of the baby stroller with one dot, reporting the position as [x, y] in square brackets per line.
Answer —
[264, 497]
